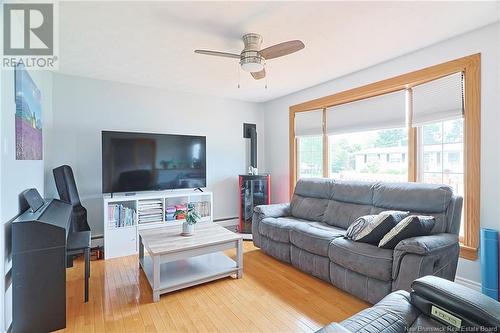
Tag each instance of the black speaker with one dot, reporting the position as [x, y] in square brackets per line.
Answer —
[250, 132]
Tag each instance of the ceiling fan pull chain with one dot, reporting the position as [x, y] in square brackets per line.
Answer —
[266, 82]
[239, 69]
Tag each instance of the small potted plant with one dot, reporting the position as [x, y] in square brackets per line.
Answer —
[191, 218]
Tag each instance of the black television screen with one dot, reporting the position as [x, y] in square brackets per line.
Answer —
[145, 162]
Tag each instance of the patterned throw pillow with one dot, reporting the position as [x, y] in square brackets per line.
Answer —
[375, 230]
[411, 226]
[358, 225]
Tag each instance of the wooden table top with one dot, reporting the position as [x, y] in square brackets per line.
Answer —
[168, 239]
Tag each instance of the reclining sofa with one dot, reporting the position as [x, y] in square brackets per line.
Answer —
[434, 305]
[308, 233]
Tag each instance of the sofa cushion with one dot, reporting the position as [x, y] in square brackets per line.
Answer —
[341, 214]
[314, 237]
[280, 251]
[311, 263]
[376, 229]
[278, 229]
[411, 226]
[367, 288]
[357, 192]
[308, 208]
[440, 221]
[418, 197]
[440, 224]
[358, 225]
[363, 258]
[321, 188]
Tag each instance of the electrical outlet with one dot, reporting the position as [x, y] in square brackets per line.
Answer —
[446, 317]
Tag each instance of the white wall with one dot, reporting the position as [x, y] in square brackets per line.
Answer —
[84, 107]
[17, 176]
[485, 40]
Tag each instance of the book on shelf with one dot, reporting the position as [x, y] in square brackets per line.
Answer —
[121, 216]
[202, 208]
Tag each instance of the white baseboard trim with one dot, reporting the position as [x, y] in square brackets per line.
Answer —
[468, 283]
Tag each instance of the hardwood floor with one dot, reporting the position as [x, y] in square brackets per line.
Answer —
[271, 297]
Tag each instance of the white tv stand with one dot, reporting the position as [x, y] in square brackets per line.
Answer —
[146, 210]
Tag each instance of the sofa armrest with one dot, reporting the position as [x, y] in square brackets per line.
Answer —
[426, 245]
[275, 210]
[394, 313]
[264, 211]
[471, 307]
[425, 255]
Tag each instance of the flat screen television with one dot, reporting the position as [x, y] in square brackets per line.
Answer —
[133, 162]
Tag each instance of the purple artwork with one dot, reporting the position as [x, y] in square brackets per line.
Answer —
[29, 144]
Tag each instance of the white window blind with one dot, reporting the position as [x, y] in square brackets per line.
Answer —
[309, 123]
[438, 100]
[379, 112]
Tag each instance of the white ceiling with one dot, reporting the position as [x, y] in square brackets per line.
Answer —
[152, 43]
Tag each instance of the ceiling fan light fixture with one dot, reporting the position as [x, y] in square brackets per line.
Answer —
[252, 61]
[252, 67]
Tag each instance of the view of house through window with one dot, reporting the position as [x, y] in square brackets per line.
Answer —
[442, 155]
[380, 155]
[310, 156]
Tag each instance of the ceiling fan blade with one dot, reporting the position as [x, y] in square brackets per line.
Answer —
[218, 54]
[282, 49]
[259, 75]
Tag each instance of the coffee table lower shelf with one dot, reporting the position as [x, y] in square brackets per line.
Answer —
[184, 273]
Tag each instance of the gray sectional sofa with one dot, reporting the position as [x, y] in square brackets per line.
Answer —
[308, 233]
[404, 312]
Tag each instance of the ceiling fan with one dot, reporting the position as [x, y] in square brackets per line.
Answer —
[253, 58]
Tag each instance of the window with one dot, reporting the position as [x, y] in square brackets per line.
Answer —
[369, 155]
[310, 156]
[438, 142]
[441, 144]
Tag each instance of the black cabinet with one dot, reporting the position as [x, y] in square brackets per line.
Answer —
[255, 190]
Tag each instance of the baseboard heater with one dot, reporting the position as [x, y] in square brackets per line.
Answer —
[227, 221]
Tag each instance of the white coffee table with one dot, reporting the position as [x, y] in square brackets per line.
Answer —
[175, 262]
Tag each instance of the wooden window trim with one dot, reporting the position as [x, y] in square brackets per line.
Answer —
[470, 66]
[326, 167]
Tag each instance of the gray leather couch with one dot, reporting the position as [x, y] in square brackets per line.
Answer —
[458, 309]
[308, 233]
